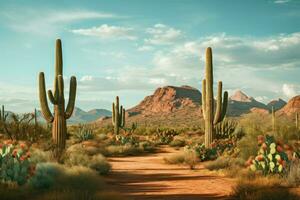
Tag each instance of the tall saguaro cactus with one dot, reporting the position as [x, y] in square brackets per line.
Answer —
[211, 116]
[118, 116]
[56, 97]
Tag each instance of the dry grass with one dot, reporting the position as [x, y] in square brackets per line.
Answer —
[187, 157]
[262, 188]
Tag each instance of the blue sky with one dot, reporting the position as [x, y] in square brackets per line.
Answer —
[129, 48]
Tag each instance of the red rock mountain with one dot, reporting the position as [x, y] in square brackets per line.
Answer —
[292, 107]
[277, 104]
[239, 103]
[168, 99]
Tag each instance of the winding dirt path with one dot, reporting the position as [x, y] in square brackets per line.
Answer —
[148, 177]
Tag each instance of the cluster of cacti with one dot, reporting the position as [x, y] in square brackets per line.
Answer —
[56, 97]
[14, 163]
[84, 133]
[225, 129]
[126, 139]
[273, 156]
[212, 116]
[165, 136]
[118, 116]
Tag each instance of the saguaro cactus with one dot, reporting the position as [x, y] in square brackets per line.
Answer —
[118, 116]
[297, 121]
[273, 119]
[3, 115]
[211, 116]
[56, 97]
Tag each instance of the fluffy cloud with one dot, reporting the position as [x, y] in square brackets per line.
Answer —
[107, 32]
[289, 90]
[145, 48]
[161, 34]
[46, 22]
[281, 1]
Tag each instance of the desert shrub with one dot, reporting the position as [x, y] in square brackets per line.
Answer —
[164, 135]
[262, 189]
[286, 130]
[45, 175]
[96, 162]
[39, 156]
[56, 176]
[177, 158]
[293, 176]
[102, 136]
[126, 139]
[84, 133]
[224, 163]
[218, 148]
[122, 150]
[147, 146]
[15, 165]
[177, 143]
[273, 156]
[188, 157]
[100, 164]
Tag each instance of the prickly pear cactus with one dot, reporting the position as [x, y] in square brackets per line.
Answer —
[15, 164]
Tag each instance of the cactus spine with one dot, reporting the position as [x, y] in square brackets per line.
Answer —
[273, 119]
[118, 116]
[56, 97]
[212, 118]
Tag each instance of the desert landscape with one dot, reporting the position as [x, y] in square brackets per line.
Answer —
[175, 131]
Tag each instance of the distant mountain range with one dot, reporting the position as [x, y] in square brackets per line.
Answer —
[81, 116]
[171, 104]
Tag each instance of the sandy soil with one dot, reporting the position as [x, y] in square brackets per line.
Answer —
[148, 177]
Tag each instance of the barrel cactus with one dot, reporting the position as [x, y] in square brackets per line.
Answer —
[118, 116]
[56, 97]
[212, 116]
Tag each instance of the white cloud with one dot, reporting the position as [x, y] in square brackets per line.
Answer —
[45, 21]
[281, 1]
[145, 48]
[289, 90]
[107, 32]
[161, 34]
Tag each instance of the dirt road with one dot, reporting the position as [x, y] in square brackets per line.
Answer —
[148, 177]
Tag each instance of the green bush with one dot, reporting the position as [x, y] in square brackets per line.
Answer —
[96, 162]
[177, 143]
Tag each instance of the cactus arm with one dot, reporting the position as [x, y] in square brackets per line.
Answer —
[43, 99]
[113, 114]
[51, 97]
[123, 117]
[72, 97]
[204, 98]
[225, 104]
[218, 113]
